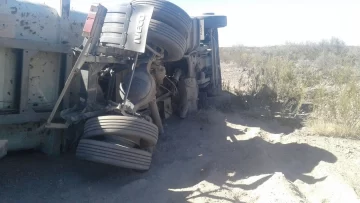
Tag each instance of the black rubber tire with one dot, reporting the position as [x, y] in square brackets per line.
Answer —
[212, 89]
[159, 34]
[214, 21]
[113, 154]
[170, 14]
[168, 38]
[122, 126]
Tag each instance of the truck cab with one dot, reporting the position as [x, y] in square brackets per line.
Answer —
[102, 81]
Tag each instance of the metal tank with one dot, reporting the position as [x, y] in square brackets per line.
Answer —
[35, 57]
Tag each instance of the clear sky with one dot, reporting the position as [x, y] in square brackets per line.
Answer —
[274, 22]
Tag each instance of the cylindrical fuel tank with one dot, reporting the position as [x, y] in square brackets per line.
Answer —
[55, 22]
[51, 21]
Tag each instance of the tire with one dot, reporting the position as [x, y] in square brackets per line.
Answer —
[113, 154]
[168, 38]
[170, 14]
[214, 21]
[213, 89]
[159, 34]
[122, 126]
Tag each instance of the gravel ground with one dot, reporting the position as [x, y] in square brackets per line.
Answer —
[211, 157]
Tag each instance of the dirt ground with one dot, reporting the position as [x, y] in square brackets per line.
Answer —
[210, 157]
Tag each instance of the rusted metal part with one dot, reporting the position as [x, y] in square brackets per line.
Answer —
[104, 59]
[121, 107]
[89, 47]
[188, 87]
[203, 81]
[142, 72]
[159, 73]
[112, 51]
[156, 116]
[94, 92]
[189, 91]
[161, 55]
[165, 107]
[163, 97]
[80, 61]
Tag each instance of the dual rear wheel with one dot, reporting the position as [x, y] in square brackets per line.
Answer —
[118, 140]
[128, 141]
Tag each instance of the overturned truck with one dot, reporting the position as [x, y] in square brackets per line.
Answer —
[102, 82]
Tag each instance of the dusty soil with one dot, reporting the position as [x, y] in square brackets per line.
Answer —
[210, 157]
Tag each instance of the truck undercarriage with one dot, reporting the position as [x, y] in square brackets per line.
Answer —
[139, 63]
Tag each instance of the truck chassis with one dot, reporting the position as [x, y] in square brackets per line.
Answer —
[139, 63]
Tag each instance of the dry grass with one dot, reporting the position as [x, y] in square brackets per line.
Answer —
[324, 74]
[337, 112]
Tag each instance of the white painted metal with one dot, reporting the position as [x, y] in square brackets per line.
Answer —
[46, 20]
[40, 20]
[8, 63]
[51, 21]
[44, 76]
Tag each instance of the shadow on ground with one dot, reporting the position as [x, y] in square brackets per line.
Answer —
[219, 154]
[262, 109]
[214, 148]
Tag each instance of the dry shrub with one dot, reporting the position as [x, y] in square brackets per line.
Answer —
[324, 74]
[336, 112]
